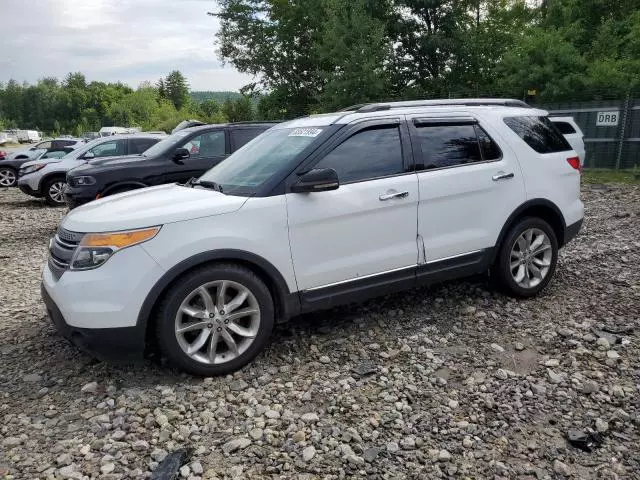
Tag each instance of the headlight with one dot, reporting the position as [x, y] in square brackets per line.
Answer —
[32, 168]
[83, 180]
[97, 248]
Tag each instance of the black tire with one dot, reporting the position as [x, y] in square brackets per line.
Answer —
[180, 291]
[48, 191]
[501, 272]
[8, 177]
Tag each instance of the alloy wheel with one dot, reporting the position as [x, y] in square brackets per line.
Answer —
[56, 191]
[7, 177]
[217, 322]
[530, 258]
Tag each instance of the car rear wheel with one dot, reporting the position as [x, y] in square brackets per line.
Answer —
[8, 177]
[527, 258]
[215, 320]
[54, 191]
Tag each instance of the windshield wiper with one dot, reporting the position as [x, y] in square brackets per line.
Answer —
[194, 182]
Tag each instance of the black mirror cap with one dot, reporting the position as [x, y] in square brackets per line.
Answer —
[181, 154]
[318, 180]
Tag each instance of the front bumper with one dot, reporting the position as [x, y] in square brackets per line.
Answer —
[122, 344]
[75, 196]
[29, 185]
[98, 309]
[25, 188]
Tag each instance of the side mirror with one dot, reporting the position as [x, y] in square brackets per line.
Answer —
[180, 154]
[88, 156]
[318, 180]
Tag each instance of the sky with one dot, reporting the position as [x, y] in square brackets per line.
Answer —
[113, 40]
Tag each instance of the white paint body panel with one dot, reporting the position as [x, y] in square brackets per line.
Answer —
[148, 207]
[348, 233]
[108, 297]
[461, 208]
[259, 227]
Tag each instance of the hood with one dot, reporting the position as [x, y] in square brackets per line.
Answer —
[116, 161]
[41, 161]
[148, 207]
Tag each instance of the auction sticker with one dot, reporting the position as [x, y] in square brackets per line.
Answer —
[305, 132]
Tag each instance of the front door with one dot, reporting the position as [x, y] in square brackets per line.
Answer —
[366, 229]
[468, 186]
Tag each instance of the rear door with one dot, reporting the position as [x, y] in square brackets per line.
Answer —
[137, 146]
[468, 186]
[241, 136]
[206, 150]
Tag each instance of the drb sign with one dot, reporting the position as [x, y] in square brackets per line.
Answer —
[608, 119]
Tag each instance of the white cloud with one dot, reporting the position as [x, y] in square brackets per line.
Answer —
[111, 40]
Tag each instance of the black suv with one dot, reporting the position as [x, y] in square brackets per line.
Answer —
[185, 154]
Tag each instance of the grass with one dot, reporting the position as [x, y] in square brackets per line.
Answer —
[600, 175]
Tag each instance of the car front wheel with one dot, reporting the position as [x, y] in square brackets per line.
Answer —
[54, 191]
[8, 177]
[527, 258]
[215, 320]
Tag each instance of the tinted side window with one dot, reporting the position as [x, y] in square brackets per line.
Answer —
[46, 145]
[208, 144]
[489, 148]
[371, 153]
[139, 145]
[448, 145]
[242, 136]
[564, 127]
[113, 148]
[539, 133]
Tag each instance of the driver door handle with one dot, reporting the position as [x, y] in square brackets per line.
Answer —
[502, 176]
[389, 196]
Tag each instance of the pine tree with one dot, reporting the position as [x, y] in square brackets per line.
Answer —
[177, 89]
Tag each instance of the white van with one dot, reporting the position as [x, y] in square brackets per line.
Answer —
[29, 136]
[108, 131]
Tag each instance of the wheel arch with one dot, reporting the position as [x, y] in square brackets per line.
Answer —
[48, 177]
[540, 208]
[286, 304]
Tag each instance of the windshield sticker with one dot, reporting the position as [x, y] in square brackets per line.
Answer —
[305, 132]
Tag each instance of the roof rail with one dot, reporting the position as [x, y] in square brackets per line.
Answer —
[245, 122]
[375, 107]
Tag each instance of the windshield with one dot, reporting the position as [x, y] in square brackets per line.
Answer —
[248, 168]
[166, 143]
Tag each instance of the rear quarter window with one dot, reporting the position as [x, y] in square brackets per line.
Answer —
[241, 136]
[564, 127]
[539, 133]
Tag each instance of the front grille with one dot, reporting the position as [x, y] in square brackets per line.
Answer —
[63, 247]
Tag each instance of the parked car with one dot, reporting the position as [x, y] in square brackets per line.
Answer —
[185, 154]
[314, 213]
[187, 124]
[11, 163]
[29, 136]
[46, 179]
[571, 131]
[88, 136]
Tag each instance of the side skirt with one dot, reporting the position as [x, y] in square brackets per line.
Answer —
[358, 290]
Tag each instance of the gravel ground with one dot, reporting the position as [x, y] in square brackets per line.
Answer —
[468, 383]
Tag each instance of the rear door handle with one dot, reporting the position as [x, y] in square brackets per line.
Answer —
[502, 176]
[389, 196]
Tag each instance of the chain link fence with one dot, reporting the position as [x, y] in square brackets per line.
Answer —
[611, 130]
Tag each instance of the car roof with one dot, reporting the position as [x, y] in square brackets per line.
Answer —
[502, 107]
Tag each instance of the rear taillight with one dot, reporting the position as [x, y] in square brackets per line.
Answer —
[575, 163]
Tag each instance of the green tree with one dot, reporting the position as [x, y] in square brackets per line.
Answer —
[239, 110]
[177, 89]
[352, 49]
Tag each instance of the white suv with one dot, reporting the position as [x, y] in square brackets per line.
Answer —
[313, 213]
